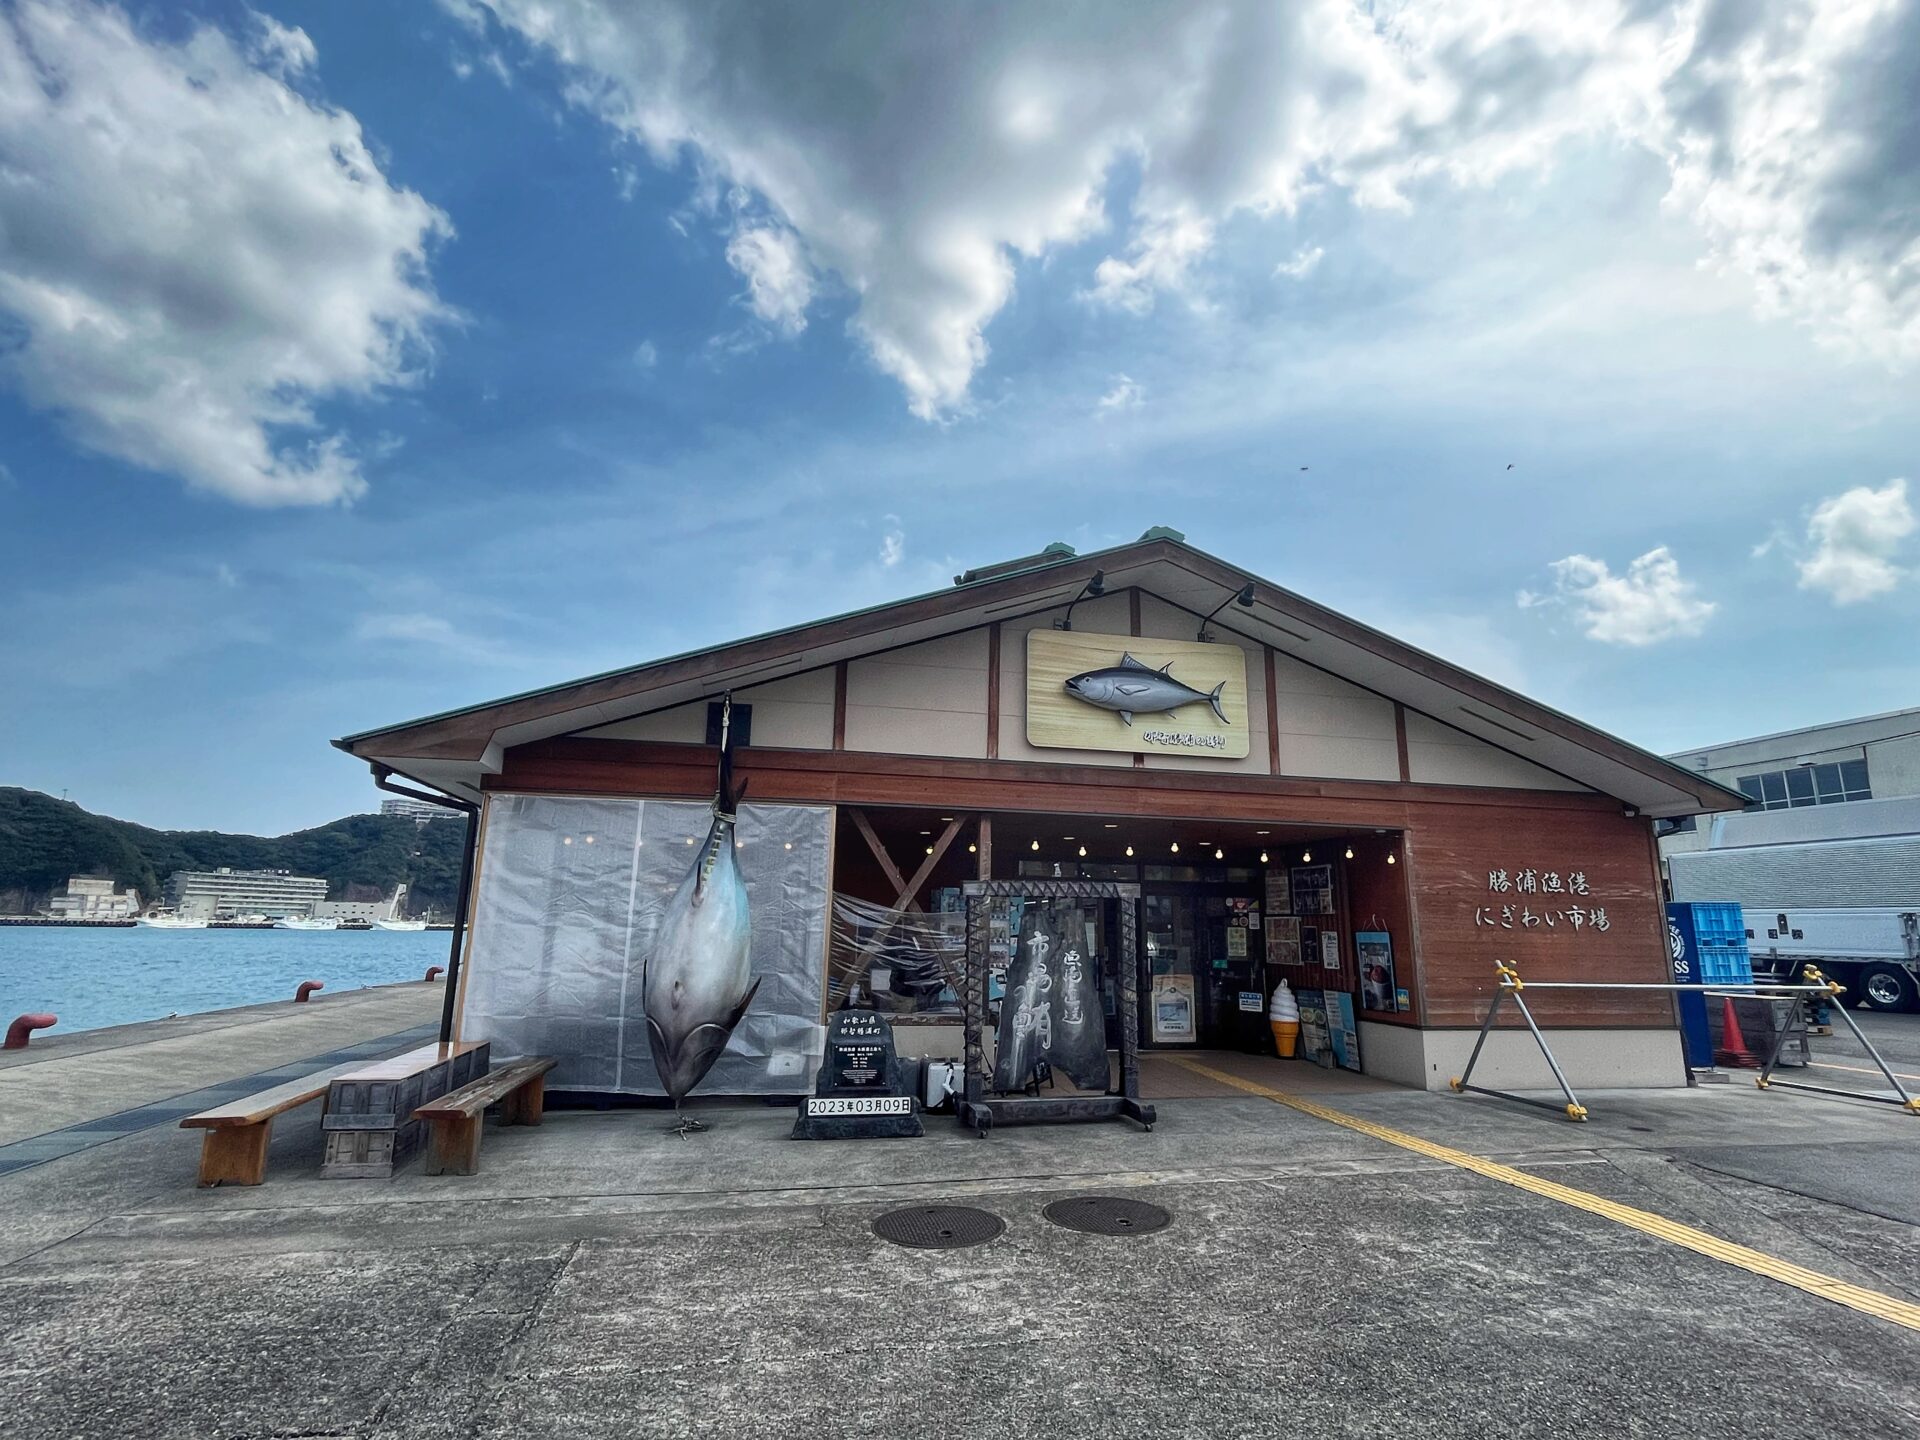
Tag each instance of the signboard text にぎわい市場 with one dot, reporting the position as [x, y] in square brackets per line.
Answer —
[1534, 882]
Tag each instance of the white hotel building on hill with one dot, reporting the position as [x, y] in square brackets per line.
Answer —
[206, 894]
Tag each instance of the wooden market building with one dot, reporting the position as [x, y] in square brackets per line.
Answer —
[1302, 759]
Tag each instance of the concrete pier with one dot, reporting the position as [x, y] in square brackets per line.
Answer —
[601, 1276]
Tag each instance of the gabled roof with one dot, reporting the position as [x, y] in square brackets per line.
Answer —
[453, 750]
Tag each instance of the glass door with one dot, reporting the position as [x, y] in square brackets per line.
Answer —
[1169, 993]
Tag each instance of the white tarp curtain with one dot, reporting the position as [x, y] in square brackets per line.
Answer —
[571, 893]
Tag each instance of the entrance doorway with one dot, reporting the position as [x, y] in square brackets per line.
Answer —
[1202, 967]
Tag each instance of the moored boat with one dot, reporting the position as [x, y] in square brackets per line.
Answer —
[304, 922]
[169, 922]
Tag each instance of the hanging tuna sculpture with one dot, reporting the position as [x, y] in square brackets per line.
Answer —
[697, 982]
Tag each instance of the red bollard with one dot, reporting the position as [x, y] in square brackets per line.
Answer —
[434, 972]
[307, 987]
[18, 1032]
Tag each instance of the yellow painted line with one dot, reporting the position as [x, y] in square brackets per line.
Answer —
[1860, 1069]
[1870, 1302]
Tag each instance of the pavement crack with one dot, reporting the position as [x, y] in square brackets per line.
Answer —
[503, 1363]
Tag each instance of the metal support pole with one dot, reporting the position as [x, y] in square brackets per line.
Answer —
[459, 927]
[1459, 1082]
[1575, 1110]
[1765, 1080]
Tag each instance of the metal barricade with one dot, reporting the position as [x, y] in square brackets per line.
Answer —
[1511, 986]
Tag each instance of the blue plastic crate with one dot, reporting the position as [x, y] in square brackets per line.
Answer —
[1723, 964]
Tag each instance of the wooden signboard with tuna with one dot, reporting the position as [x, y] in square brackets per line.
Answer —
[1136, 696]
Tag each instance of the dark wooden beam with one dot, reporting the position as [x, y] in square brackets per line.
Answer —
[840, 706]
[1273, 714]
[887, 867]
[1400, 739]
[993, 691]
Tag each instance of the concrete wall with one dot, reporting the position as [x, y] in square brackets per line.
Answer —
[1590, 1059]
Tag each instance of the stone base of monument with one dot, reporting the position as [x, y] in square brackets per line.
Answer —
[861, 1092]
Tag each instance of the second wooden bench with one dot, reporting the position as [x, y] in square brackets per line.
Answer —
[519, 1087]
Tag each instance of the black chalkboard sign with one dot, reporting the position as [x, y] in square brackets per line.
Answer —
[1051, 1013]
[858, 1092]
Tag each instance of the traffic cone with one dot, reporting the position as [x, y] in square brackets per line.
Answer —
[1733, 1045]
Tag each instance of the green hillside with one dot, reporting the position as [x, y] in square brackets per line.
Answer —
[44, 840]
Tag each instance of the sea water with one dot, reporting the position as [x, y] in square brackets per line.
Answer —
[108, 976]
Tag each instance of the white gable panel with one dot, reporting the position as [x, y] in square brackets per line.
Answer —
[1438, 754]
[1330, 729]
[925, 699]
[791, 714]
[1160, 620]
[1109, 614]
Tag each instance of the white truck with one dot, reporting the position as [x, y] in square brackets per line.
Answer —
[1851, 907]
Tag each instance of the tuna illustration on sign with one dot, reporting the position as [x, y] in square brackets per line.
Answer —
[1131, 688]
[697, 982]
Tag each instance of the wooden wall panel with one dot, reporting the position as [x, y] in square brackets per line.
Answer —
[1456, 849]
[1377, 900]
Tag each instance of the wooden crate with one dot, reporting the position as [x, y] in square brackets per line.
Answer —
[369, 1123]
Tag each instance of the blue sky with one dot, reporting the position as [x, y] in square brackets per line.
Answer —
[360, 360]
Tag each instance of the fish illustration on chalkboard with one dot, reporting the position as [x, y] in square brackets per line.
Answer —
[696, 982]
[1131, 688]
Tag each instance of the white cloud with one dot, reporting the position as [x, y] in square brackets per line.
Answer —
[430, 632]
[1650, 603]
[1855, 536]
[1126, 394]
[1161, 259]
[195, 253]
[1303, 264]
[779, 284]
[893, 545]
[646, 355]
[920, 154]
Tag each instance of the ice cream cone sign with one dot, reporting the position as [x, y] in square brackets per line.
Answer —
[1284, 1015]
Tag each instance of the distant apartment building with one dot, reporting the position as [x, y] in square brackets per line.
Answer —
[210, 894]
[419, 811]
[1845, 779]
[90, 897]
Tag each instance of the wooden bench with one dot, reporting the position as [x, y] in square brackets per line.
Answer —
[519, 1087]
[234, 1149]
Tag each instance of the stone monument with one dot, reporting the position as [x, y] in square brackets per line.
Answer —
[859, 1092]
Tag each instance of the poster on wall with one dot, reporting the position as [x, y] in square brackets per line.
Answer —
[1329, 949]
[1136, 696]
[1342, 1034]
[1312, 887]
[1172, 1009]
[1315, 1044]
[1374, 948]
[1283, 940]
[1279, 899]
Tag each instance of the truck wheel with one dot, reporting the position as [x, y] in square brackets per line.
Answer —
[1886, 987]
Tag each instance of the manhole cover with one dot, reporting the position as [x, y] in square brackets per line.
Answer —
[1107, 1215]
[938, 1227]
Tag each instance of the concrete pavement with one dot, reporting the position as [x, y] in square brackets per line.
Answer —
[602, 1277]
